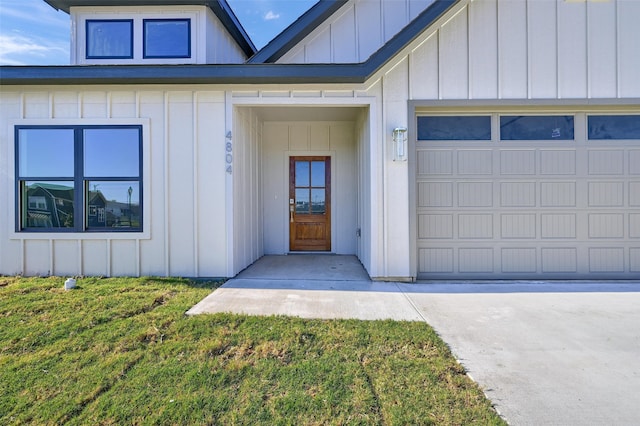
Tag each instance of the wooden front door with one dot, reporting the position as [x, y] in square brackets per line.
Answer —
[310, 203]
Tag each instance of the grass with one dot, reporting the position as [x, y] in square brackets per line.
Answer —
[122, 351]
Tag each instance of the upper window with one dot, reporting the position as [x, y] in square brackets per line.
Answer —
[167, 38]
[79, 178]
[536, 127]
[614, 126]
[109, 39]
[463, 127]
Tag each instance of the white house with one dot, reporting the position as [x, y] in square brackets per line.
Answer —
[520, 159]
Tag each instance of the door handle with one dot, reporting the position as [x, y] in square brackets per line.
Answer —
[291, 213]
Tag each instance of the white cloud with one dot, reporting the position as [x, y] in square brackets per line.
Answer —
[270, 15]
[18, 49]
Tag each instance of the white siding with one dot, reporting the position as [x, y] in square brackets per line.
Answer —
[356, 31]
[185, 229]
[518, 49]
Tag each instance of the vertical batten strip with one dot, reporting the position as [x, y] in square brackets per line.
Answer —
[137, 240]
[196, 193]
[80, 258]
[108, 244]
[167, 270]
[51, 257]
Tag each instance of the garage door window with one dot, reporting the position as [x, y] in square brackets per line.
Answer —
[614, 127]
[431, 128]
[536, 127]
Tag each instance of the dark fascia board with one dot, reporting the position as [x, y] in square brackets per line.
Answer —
[297, 31]
[219, 7]
[227, 74]
[181, 74]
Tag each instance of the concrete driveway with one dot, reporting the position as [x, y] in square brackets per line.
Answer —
[545, 353]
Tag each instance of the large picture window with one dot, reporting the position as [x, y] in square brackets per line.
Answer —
[109, 39]
[79, 178]
[167, 38]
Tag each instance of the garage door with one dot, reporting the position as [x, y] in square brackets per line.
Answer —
[527, 196]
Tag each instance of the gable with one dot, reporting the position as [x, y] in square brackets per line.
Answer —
[355, 31]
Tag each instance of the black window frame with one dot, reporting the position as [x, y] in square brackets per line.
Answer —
[144, 38]
[80, 182]
[86, 39]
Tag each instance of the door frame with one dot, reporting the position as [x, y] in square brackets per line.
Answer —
[285, 202]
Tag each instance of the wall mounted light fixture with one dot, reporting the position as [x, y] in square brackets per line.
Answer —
[400, 144]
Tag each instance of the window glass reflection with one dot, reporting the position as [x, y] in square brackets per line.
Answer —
[454, 128]
[109, 39]
[317, 174]
[167, 38]
[113, 204]
[111, 152]
[317, 201]
[302, 200]
[46, 152]
[47, 204]
[302, 173]
[537, 127]
[614, 127]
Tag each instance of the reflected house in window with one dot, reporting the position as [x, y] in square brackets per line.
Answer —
[96, 216]
[49, 205]
[119, 215]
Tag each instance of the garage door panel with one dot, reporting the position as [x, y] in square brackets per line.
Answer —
[558, 226]
[528, 209]
[606, 162]
[634, 194]
[606, 194]
[634, 161]
[519, 260]
[606, 259]
[518, 162]
[518, 194]
[475, 194]
[559, 259]
[435, 162]
[606, 225]
[558, 194]
[518, 226]
[557, 162]
[634, 259]
[435, 226]
[475, 162]
[435, 194]
[475, 226]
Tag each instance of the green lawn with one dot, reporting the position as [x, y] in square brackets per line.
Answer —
[122, 351]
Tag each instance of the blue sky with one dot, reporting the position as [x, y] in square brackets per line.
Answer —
[33, 33]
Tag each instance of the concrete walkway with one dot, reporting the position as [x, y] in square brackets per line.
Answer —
[545, 353]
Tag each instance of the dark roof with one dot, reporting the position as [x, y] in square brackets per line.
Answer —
[297, 31]
[219, 7]
[249, 73]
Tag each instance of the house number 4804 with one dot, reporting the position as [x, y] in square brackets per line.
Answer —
[229, 156]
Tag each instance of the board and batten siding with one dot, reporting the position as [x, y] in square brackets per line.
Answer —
[184, 232]
[355, 31]
[528, 49]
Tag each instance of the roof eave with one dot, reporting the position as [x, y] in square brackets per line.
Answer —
[182, 74]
